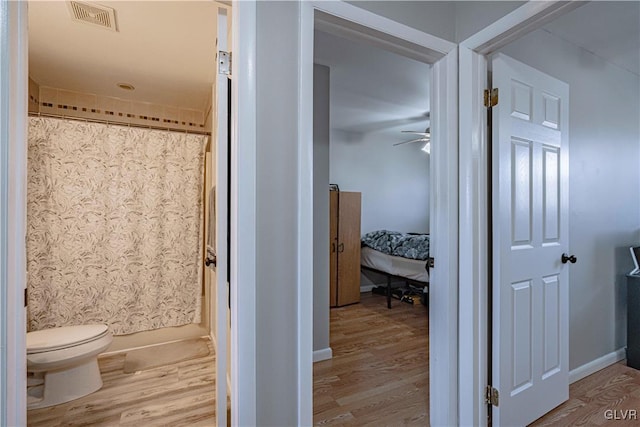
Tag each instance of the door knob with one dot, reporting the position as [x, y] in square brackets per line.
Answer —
[566, 258]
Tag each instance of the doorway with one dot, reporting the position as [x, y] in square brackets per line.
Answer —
[577, 64]
[353, 24]
[181, 105]
[371, 177]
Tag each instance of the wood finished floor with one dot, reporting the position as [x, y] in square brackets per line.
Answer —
[379, 373]
[591, 399]
[181, 394]
[378, 377]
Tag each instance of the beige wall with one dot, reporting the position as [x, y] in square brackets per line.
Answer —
[34, 96]
[68, 103]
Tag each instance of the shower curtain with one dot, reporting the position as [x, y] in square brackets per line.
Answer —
[114, 226]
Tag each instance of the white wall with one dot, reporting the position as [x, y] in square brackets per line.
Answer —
[321, 125]
[450, 20]
[604, 187]
[276, 213]
[434, 17]
[472, 16]
[376, 94]
[394, 181]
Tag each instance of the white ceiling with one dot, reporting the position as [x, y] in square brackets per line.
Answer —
[163, 48]
[608, 29]
[372, 89]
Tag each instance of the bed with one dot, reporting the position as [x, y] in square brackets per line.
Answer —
[399, 256]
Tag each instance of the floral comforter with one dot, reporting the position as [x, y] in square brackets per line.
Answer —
[406, 245]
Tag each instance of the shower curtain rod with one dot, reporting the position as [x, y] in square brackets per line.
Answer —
[133, 125]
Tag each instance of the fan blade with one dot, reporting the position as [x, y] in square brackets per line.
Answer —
[410, 141]
[406, 122]
[417, 133]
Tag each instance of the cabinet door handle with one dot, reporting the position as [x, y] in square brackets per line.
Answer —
[341, 247]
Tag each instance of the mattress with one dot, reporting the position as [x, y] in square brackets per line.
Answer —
[398, 266]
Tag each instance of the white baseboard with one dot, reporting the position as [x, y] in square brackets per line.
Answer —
[366, 288]
[595, 365]
[324, 354]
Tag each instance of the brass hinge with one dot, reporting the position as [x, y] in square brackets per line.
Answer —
[490, 97]
[491, 396]
[224, 62]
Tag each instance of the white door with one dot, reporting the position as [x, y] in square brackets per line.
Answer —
[221, 282]
[530, 235]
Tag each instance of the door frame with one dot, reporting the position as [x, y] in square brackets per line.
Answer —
[220, 133]
[475, 197]
[13, 158]
[343, 18]
[243, 208]
[13, 209]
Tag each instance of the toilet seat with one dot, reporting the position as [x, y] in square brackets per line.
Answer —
[48, 340]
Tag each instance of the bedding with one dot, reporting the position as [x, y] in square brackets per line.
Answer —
[394, 265]
[400, 255]
[405, 245]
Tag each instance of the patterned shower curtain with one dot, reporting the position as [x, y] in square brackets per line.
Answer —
[114, 226]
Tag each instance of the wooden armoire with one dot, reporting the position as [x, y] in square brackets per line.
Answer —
[344, 248]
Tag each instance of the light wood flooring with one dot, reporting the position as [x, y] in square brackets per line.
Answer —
[596, 397]
[181, 394]
[379, 373]
[378, 376]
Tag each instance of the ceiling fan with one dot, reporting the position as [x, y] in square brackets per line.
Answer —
[424, 137]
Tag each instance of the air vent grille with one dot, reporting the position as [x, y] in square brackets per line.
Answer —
[101, 16]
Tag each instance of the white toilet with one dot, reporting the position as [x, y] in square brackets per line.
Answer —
[62, 363]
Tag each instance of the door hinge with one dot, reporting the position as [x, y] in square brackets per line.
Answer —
[26, 295]
[491, 396]
[431, 262]
[224, 62]
[490, 97]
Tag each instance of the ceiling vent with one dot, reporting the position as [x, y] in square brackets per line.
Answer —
[94, 14]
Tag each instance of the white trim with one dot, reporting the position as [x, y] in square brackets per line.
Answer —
[221, 132]
[443, 354]
[323, 354]
[305, 216]
[381, 30]
[243, 208]
[473, 254]
[526, 18]
[13, 178]
[596, 365]
[443, 300]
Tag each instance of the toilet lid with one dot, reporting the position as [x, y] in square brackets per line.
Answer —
[66, 336]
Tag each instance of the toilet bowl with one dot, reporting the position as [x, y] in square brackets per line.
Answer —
[62, 363]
